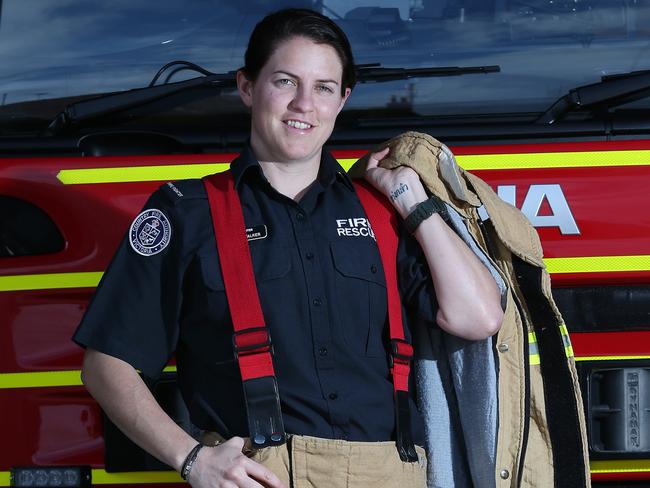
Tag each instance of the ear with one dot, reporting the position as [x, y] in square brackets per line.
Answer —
[348, 90]
[245, 87]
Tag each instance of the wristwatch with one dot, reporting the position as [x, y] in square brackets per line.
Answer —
[423, 211]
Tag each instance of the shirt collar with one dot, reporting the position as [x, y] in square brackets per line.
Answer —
[244, 163]
[330, 170]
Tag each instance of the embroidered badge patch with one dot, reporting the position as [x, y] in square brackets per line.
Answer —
[150, 232]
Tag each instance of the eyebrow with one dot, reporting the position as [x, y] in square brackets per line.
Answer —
[282, 72]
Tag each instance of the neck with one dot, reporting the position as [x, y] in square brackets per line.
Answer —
[291, 179]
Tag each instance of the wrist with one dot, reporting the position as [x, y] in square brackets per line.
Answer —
[406, 197]
[181, 453]
[190, 460]
[424, 211]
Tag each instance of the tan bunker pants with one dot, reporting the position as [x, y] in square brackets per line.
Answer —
[312, 462]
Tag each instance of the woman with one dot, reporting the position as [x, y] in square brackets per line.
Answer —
[318, 275]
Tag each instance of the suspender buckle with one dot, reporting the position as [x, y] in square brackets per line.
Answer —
[401, 352]
[265, 424]
[251, 341]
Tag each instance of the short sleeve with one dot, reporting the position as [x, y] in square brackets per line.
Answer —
[134, 313]
[414, 279]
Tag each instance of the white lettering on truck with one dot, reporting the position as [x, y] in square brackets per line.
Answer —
[561, 215]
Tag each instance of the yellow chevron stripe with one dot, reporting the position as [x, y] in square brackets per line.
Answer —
[40, 379]
[101, 477]
[49, 281]
[620, 466]
[127, 174]
[609, 358]
[168, 172]
[590, 264]
[347, 163]
[554, 160]
[43, 379]
[596, 264]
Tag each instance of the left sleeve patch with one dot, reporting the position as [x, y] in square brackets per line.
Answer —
[150, 232]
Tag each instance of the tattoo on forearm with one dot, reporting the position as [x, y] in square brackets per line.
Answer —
[399, 191]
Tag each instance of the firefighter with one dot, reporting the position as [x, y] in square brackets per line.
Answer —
[320, 282]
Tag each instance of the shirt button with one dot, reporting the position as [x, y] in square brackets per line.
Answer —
[322, 351]
[300, 216]
[505, 474]
[373, 269]
[333, 396]
[317, 302]
[503, 347]
[309, 255]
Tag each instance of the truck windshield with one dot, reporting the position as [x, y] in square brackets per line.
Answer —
[56, 52]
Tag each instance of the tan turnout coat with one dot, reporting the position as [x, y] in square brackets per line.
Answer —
[541, 440]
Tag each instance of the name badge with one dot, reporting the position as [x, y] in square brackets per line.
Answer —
[257, 232]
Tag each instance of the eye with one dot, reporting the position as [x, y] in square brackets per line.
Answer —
[324, 89]
[285, 82]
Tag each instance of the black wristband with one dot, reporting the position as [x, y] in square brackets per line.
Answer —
[423, 211]
[189, 461]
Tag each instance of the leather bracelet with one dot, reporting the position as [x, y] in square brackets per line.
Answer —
[423, 211]
[190, 460]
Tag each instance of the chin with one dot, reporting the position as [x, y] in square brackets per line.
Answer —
[299, 153]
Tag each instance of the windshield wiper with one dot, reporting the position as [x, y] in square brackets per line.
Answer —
[610, 91]
[114, 102]
[375, 72]
[79, 112]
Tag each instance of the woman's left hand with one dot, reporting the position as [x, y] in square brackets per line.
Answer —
[402, 185]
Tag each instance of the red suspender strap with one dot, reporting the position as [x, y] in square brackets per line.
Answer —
[384, 224]
[251, 338]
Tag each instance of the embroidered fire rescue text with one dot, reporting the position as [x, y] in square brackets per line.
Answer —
[354, 227]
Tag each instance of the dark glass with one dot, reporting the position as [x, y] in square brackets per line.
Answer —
[55, 53]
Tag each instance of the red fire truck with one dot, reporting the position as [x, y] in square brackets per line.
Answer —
[102, 102]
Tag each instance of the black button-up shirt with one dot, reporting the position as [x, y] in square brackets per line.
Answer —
[321, 286]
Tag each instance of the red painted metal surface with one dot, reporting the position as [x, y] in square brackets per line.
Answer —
[622, 476]
[628, 343]
[62, 425]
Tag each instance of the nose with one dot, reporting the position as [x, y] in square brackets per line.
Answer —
[303, 101]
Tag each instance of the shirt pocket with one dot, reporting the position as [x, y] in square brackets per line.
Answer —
[269, 263]
[360, 289]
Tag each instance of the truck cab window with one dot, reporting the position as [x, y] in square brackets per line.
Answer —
[26, 230]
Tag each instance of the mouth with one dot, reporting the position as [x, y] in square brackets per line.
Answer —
[298, 124]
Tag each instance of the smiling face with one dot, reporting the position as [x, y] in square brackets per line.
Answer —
[294, 101]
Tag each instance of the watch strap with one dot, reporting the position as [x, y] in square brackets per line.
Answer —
[423, 211]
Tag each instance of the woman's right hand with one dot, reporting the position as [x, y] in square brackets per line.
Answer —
[224, 466]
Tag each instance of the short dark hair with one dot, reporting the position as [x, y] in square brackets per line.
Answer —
[284, 24]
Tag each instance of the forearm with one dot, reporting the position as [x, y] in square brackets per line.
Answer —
[468, 297]
[125, 398]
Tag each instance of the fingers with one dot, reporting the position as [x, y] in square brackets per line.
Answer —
[374, 158]
[264, 475]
